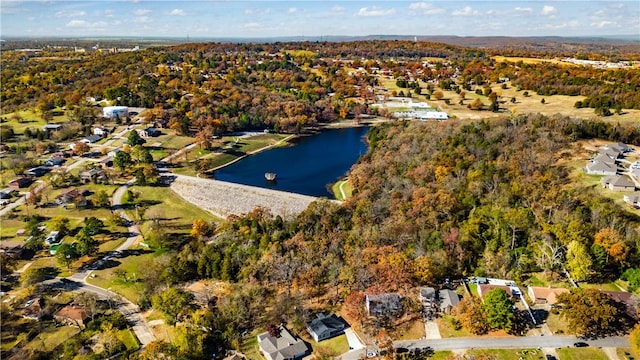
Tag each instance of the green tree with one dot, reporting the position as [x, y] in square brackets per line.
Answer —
[589, 312]
[498, 306]
[34, 229]
[33, 276]
[101, 199]
[87, 244]
[174, 303]
[93, 225]
[122, 160]
[141, 155]
[134, 139]
[66, 254]
[632, 276]
[578, 261]
[61, 224]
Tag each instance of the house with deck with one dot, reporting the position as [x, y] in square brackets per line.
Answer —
[282, 345]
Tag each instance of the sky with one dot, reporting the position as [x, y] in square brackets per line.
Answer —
[268, 18]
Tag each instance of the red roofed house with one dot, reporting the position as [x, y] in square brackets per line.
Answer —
[545, 295]
[72, 315]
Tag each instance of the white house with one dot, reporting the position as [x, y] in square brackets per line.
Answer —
[113, 111]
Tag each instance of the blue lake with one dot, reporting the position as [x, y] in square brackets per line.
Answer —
[309, 167]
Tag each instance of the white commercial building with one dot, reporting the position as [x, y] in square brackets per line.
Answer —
[113, 111]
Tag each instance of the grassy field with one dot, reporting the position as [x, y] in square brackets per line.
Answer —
[51, 337]
[346, 187]
[625, 354]
[507, 354]
[333, 347]
[556, 324]
[411, 330]
[581, 354]
[249, 346]
[447, 330]
[528, 60]
[174, 212]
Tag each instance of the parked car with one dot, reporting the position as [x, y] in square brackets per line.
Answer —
[580, 344]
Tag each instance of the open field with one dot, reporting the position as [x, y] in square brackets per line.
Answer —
[528, 60]
[581, 354]
[508, 354]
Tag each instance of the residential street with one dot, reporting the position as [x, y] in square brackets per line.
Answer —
[497, 343]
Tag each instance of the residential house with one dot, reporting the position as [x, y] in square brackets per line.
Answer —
[601, 157]
[100, 131]
[630, 301]
[33, 309]
[326, 326]
[149, 132]
[37, 171]
[618, 183]
[235, 355]
[54, 161]
[619, 147]
[53, 238]
[20, 183]
[52, 127]
[107, 162]
[68, 196]
[94, 175]
[483, 289]
[601, 168]
[92, 139]
[6, 193]
[633, 199]
[448, 300]
[284, 346]
[545, 295]
[72, 315]
[382, 304]
[12, 248]
[428, 296]
[613, 153]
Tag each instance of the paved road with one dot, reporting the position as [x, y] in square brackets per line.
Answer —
[126, 307]
[547, 342]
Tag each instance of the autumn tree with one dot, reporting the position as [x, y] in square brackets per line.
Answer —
[354, 306]
[200, 228]
[589, 312]
[471, 314]
[578, 261]
[634, 339]
[61, 224]
[81, 147]
[476, 105]
[438, 95]
[101, 199]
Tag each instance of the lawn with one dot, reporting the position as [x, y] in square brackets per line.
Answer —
[51, 337]
[447, 329]
[625, 354]
[346, 187]
[128, 339]
[556, 324]
[333, 347]
[126, 284]
[249, 346]
[507, 354]
[413, 329]
[581, 354]
[442, 355]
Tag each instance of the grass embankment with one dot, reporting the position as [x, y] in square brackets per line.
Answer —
[342, 189]
[581, 354]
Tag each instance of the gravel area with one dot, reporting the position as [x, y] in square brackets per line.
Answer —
[223, 198]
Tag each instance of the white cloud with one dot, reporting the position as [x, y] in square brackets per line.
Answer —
[70, 13]
[252, 25]
[425, 8]
[548, 10]
[142, 19]
[257, 11]
[565, 25]
[86, 25]
[292, 10]
[141, 12]
[466, 11]
[177, 12]
[337, 9]
[605, 24]
[375, 11]
[523, 9]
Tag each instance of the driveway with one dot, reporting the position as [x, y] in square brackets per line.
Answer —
[353, 339]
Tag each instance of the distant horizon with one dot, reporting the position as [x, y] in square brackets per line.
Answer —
[236, 19]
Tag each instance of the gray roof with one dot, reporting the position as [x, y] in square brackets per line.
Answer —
[604, 158]
[428, 293]
[326, 323]
[601, 166]
[622, 181]
[448, 298]
[286, 346]
[612, 153]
